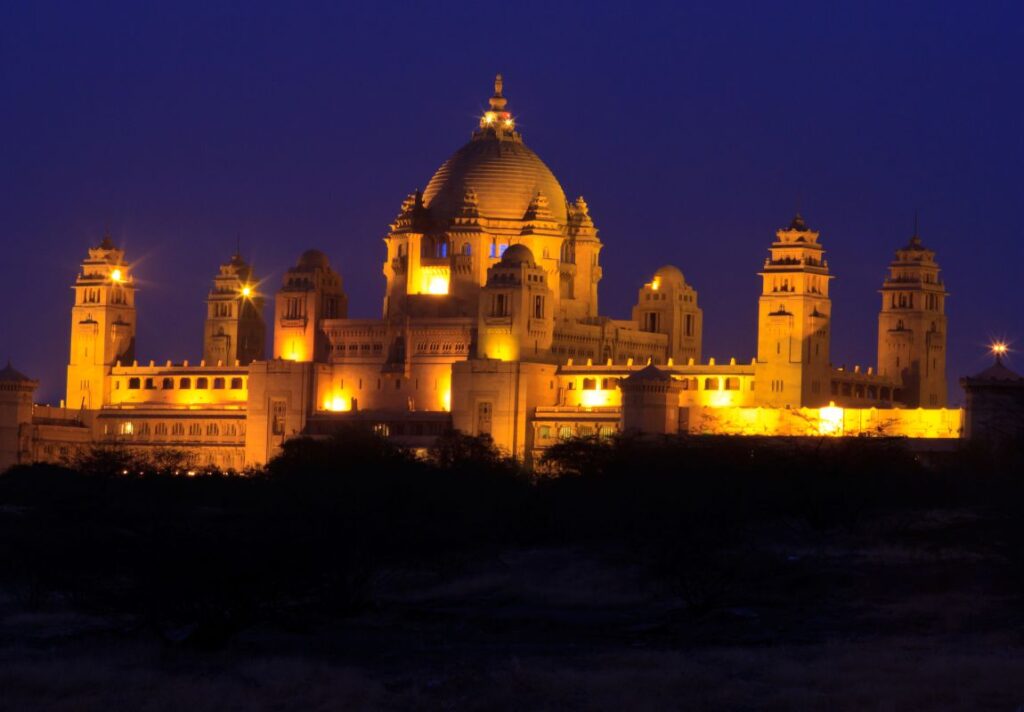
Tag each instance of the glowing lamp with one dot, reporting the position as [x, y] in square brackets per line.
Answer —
[655, 283]
[116, 275]
[336, 403]
[830, 420]
[999, 349]
[246, 291]
[489, 117]
[437, 285]
[592, 399]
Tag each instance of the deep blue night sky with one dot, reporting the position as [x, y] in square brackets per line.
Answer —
[693, 134]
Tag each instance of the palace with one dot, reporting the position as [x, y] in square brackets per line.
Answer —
[490, 325]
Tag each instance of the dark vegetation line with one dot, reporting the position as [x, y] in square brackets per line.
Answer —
[706, 516]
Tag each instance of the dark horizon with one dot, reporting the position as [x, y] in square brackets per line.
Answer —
[692, 133]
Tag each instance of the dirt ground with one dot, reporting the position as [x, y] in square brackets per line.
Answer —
[873, 619]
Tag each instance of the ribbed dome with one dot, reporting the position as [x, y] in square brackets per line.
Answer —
[506, 175]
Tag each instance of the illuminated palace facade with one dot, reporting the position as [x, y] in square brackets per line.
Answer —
[490, 325]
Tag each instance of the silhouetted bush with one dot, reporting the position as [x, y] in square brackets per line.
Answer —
[204, 555]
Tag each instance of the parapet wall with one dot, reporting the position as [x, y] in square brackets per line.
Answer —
[830, 420]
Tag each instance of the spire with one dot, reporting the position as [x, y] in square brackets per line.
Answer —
[915, 239]
[498, 101]
[798, 223]
[108, 242]
[497, 122]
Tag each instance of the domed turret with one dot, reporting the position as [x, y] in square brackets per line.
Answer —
[518, 254]
[670, 275]
[313, 259]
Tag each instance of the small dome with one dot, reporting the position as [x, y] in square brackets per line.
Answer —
[998, 372]
[11, 374]
[517, 255]
[670, 274]
[313, 259]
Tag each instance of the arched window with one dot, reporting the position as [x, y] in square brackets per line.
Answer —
[134, 384]
[202, 383]
[218, 383]
[711, 384]
[236, 384]
[732, 384]
[168, 384]
[150, 384]
[467, 249]
[185, 383]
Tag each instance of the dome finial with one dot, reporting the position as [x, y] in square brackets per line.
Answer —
[498, 101]
[497, 122]
[915, 239]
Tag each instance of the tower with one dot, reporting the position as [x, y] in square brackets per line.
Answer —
[793, 324]
[516, 320]
[311, 293]
[668, 305]
[579, 270]
[102, 325]
[234, 328]
[912, 326]
[16, 390]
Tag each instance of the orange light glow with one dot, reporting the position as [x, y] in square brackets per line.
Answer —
[999, 348]
[655, 283]
[116, 275]
[830, 420]
[594, 399]
[337, 404]
[246, 291]
[437, 285]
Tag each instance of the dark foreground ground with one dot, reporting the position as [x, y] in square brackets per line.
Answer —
[808, 579]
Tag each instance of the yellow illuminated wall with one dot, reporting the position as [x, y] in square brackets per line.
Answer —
[829, 421]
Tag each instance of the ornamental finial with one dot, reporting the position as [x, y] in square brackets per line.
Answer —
[498, 101]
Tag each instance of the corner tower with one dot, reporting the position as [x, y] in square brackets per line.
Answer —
[102, 325]
[668, 305]
[912, 326]
[234, 317]
[515, 320]
[794, 321]
[311, 293]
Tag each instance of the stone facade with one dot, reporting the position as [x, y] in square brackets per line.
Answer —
[490, 324]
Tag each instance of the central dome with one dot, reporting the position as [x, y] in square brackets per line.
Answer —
[504, 173]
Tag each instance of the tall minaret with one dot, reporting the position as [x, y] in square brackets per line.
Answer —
[102, 325]
[234, 317]
[912, 326]
[794, 321]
